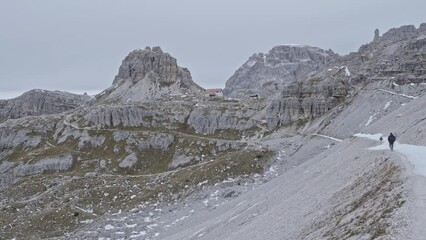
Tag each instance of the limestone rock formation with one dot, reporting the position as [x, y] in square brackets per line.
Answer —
[39, 102]
[399, 54]
[376, 35]
[398, 57]
[266, 74]
[209, 120]
[309, 98]
[147, 75]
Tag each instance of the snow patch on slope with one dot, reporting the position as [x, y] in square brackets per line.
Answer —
[415, 154]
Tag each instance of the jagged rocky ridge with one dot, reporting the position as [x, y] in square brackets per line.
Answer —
[39, 102]
[164, 143]
[264, 74]
[393, 60]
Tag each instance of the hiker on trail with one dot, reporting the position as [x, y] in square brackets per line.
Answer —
[391, 140]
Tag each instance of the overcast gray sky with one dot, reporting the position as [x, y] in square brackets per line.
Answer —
[78, 45]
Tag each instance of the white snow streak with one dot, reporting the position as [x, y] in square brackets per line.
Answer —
[109, 227]
[131, 225]
[394, 93]
[387, 105]
[87, 221]
[374, 137]
[141, 233]
[193, 235]
[369, 120]
[416, 155]
[324, 136]
[347, 73]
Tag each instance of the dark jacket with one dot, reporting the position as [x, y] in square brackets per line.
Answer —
[391, 138]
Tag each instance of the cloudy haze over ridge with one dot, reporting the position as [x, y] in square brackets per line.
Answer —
[78, 45]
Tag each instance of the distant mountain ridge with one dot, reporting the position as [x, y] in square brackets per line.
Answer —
[39, 102]
[265, 73]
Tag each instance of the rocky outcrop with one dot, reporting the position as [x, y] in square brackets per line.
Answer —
[9, 174]
[39, 102]
[124, 116]
[160, 141]
[129, 161]
[147, 75]
[309, 98]
[209, 120]
[266, 74]
[24, 133]
[398, 55]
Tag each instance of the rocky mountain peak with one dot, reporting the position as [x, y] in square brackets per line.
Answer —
[400, 33]
[147, 74]
[422, 28]
[140, 62]
[294, 53]
[264, 74]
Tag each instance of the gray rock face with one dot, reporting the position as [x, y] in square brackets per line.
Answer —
[207, 121]
[129, 161]
[180, 160]
[397, 57]
[399, 54]
[146, 75]
[376, 35]
[24, 133]
[130, 116]
[10, 175]
[422, 29]
[401, 33]
[140, 62]
[305, 100]
[160, 141]
[39, 102]
[266, 74]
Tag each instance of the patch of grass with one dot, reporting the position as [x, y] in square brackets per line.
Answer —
[32, 133]
[379, 232]
[18, 153]
[106, 193]
[230, 134]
